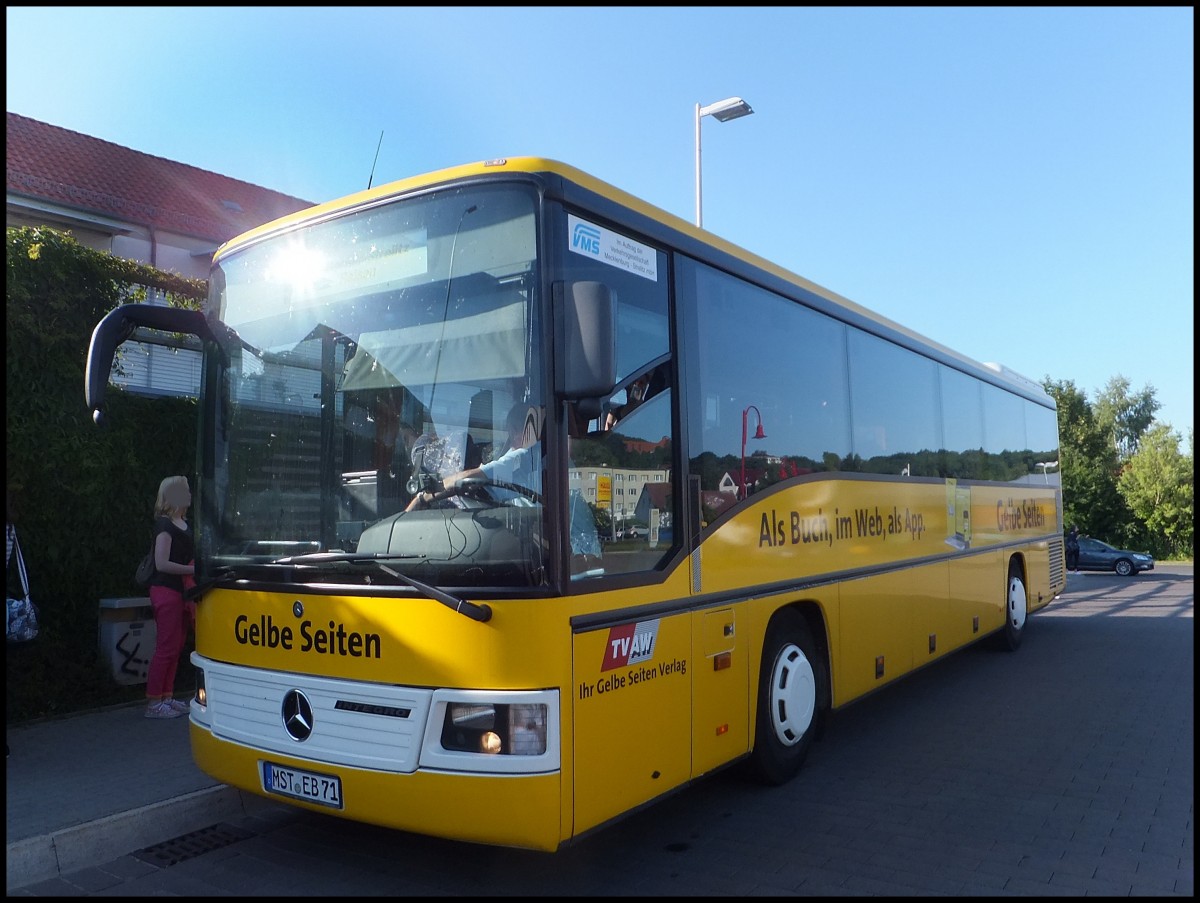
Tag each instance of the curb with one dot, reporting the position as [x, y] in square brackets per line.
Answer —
[105, 839]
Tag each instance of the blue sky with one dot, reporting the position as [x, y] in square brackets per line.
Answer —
[1014, 182]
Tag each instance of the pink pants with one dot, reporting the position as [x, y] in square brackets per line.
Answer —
[172, 618]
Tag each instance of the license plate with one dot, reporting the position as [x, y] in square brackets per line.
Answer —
[324, 789]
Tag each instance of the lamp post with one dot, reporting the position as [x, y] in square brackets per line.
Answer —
[758, 434]
[1046, 467]
[722, 111]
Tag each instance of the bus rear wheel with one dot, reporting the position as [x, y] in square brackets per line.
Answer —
[1016, 607]
[791, 695]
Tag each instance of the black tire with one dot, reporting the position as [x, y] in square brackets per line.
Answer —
[792, 696]
[1016, 607]
[1123, 567]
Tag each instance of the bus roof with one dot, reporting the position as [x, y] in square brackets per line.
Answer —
[545, 166]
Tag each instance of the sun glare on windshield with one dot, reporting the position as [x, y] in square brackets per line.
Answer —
[298, 267]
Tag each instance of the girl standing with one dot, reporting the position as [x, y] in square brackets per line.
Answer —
[174, 568]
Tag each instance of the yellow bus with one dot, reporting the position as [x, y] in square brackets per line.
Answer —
[522, 504]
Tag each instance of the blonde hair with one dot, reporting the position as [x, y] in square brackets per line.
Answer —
[174, 496]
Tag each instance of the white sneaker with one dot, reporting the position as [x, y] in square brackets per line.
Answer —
[179, 705]
[162, 710]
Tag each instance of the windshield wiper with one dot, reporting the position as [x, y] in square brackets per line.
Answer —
[194, 594]
[250, 570]
[462, 606]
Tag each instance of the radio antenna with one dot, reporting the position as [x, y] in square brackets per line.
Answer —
[371, 178]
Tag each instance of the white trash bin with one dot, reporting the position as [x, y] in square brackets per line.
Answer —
[127, 637]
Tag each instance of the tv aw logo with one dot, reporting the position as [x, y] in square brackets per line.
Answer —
[630, 644]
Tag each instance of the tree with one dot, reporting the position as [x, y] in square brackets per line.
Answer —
[1089, 468]
[1124, 478]
[1123, 416]
[1158, 483]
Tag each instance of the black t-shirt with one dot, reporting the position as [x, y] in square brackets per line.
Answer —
[183, 550]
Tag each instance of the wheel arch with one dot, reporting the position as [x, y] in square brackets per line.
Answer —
[1018, 558]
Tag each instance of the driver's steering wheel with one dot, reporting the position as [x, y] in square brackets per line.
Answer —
[473, 486]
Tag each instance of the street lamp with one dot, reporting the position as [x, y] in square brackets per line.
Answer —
[722, 111]
[1046, 467]
[758, 434]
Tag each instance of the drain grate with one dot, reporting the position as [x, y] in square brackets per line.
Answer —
[189, 846]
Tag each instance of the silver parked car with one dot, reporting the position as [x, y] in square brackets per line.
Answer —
[1095, 555]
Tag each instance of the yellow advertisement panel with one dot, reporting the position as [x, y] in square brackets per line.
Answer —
[604, 490]
[837, 525]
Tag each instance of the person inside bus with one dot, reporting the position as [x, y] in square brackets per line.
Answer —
[520, 464]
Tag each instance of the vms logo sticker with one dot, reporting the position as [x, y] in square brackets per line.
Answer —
[630, 644]
[586, 239]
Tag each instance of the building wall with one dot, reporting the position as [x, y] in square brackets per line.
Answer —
[169, 368]
[119, 201]
[626, 487]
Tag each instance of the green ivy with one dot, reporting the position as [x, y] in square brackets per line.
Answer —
[82, 496]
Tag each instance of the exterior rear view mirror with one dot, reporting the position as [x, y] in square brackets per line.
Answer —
[587, 362]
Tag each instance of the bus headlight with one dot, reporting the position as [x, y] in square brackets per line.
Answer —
[513, 729]
[199, 712]
[492, 731]
[201, 694]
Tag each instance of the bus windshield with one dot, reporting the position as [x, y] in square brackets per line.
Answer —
[378, 353]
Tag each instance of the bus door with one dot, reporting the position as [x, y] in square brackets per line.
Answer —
[632, 713]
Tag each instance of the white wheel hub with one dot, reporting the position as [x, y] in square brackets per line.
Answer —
[793, 695]
[1016, 603]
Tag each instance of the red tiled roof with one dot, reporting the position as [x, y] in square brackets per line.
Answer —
[56, 165]
[641, 446]
[659, 494]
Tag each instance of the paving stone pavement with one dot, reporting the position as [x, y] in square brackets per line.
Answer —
[1066, 769]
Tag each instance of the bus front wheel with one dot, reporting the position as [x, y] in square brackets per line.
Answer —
[791, 694]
